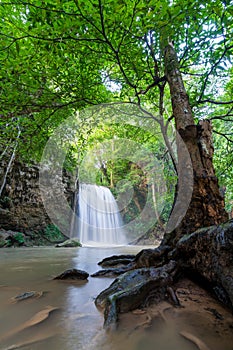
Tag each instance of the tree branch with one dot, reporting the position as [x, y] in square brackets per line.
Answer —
[214, 66]
[156, 82]
[224, 135]
[216, 102]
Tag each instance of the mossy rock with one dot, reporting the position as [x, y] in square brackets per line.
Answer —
[69, 243]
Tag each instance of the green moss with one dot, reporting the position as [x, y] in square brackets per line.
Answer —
[19, 238]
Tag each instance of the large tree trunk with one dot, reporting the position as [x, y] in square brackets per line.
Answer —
[206, 207]
[205, 253]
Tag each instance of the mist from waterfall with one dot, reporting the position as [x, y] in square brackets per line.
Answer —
[99, 219]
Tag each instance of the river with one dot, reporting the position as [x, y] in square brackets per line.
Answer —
[76, 324]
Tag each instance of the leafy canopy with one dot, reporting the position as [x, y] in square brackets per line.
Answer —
[58, 57]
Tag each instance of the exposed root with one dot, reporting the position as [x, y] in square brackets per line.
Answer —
[129, 291]
[198, 342]
[112, 272]
[116, 260]
[138, 312]
[163, 316]
[173, 296]
[143, 324]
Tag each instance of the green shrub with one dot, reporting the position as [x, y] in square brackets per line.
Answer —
[53, 233]
[15, 239]
[19, 238]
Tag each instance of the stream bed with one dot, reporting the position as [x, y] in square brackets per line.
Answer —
[75, 323]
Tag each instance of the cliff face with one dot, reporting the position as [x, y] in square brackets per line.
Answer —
[21, 206]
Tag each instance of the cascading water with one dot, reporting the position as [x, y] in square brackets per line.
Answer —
[99, 219]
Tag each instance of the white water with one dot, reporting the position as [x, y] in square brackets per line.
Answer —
[99, 219]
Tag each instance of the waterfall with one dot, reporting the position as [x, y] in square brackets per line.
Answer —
[99, 219]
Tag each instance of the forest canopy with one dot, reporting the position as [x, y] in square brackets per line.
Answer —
[61, 57]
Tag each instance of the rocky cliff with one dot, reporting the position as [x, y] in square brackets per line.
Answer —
[21, 206]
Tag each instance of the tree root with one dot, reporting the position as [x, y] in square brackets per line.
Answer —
[116, 260]
[173, 296]
[199, 343]
[112, 272]
[143, 324]
[204, 255]
[129, 291]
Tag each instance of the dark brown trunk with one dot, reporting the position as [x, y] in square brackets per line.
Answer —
[206, 207]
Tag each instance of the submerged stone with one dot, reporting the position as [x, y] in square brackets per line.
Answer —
[26, 295]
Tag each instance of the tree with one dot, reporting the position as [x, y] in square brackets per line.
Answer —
[140, 52]
[77, 49]
[207, 206]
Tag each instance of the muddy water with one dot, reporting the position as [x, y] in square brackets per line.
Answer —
[76, 323]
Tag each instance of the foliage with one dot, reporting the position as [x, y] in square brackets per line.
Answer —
[122, 157]
[52, 233]
[58, 57]
[17, 238]
[223, 159]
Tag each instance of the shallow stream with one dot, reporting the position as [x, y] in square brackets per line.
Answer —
[76, 324]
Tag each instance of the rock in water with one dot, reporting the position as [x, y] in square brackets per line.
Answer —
[116, 260]
[26, 295]
[72, 274]
[70, 243]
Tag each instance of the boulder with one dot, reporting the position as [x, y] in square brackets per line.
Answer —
[116, 260]
[72, 274]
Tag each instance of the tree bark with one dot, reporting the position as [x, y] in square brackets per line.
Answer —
[206, 253]
[206, 207]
